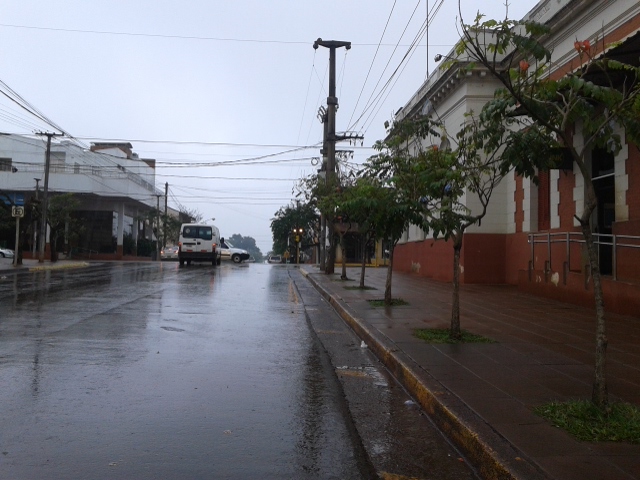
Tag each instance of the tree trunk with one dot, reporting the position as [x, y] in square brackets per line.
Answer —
[323, 243]
[387, 286]
[364, 260]
[343, 249]
[53, 245]
[599, 394]
[455, 332]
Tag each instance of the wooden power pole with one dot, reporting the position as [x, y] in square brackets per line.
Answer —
[45, 197]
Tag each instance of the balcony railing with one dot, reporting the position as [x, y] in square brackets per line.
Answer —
[616, 242]
[93, 170]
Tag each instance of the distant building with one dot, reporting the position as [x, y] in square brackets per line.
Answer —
[115, 188]
[529, 236]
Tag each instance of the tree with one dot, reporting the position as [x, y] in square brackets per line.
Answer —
[168, 227]
[334, 205]
[59, 218]
[362, 204]
[326, 194]
[293, 216]
[248, 244]
[445, 180]
[394, 168]
[7, 223]
[535, 115]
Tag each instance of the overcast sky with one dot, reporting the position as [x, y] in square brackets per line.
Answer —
[212, 82]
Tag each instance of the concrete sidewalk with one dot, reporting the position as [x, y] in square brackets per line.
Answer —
[32, 265]
[481, 395]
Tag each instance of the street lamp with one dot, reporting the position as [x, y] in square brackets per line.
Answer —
[297, 236]
[439, 57]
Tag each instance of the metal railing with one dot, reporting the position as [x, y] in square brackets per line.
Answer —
[568, 238]
[97, 171]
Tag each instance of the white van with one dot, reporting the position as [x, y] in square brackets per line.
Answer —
[199, 243]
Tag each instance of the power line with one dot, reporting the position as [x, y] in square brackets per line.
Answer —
[370, 105]
[403, 62]
[181, 37]
[374, 59]
[195, 142]
[369, 120]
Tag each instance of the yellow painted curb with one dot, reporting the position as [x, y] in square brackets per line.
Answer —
[58, 267]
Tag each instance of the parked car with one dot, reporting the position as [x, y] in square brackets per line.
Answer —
[229, 252]
[6, 253]
[274, 259]
[169, 253]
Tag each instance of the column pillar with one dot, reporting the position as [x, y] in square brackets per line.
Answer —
[120, 231]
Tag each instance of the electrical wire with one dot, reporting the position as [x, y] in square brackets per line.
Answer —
[369, 120]
[181, 37]
[411, 50]
[388, 82]
[306, 97]
[374, 59]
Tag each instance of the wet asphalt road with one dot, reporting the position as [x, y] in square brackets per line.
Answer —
[152, 371]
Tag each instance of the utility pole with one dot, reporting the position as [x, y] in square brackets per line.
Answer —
[322, 116]
[332, 101]
[45, 196]
[330, 133]
[164, 228]
[35, 223]
[330, 129]
[158, 228]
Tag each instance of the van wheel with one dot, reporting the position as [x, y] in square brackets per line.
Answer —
[236, 258]
[181, 260]
[188, 262]
[213, 262]
[218, 261]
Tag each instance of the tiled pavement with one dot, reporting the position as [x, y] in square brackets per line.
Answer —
[482, 395]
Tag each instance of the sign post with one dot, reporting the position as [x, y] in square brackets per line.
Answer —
[17, 213]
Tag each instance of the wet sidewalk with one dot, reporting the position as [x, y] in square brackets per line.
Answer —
[482, 395]
[28, 264]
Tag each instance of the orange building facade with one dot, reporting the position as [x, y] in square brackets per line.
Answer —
[530, 236]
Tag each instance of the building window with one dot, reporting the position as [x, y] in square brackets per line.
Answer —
[5, 164]
[58, 161]
[544, 201]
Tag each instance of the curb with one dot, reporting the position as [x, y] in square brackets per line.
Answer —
[490, 453]
[58, 267]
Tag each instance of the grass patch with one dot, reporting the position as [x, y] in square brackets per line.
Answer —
[441, 335]
[359, 288]
[395, 302]
[585, 421]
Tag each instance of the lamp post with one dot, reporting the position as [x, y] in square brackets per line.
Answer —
[297, 237]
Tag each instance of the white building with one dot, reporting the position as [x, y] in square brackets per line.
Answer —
[115, 187]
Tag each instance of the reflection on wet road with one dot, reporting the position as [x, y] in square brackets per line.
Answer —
[154, 371]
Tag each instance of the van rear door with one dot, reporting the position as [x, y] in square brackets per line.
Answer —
[198, 242]
[197, 239]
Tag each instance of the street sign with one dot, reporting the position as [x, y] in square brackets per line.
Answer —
[12, 198]
[17, 212]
